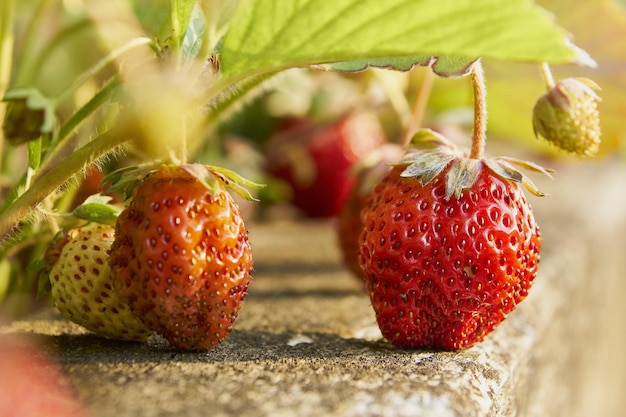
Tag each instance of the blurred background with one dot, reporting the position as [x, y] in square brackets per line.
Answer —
[303, 132]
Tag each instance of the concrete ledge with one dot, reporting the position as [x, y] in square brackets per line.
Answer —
[306, 342]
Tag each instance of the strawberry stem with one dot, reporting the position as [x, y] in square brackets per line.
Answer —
[479, 136]
[419, 107]
[48, 183]
[546, 73]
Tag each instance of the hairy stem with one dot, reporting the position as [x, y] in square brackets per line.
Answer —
[88, 108]
[225, 102]
[54, 179]
[479, 135]
[78, 117]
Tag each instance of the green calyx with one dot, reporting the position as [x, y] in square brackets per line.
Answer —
[430, 154]
[210, 174]
[125, 180]
[98, 209]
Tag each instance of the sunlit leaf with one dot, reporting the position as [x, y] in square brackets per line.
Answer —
[269, 35]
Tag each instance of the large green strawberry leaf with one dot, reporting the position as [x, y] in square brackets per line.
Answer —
[599, 27]
[271, 35]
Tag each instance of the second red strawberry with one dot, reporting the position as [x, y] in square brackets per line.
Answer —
[182, 256]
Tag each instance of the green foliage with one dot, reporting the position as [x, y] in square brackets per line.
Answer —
[268, 35]
[97, 209]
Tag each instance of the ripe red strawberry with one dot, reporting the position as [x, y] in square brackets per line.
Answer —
[32, 384]
[82, 286]
[316, 161]
[450, 247]
[182, 257]
[349, 225]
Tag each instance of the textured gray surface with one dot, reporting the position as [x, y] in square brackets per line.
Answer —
[306, 342]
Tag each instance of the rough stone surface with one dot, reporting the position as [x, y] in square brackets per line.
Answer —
[306, 342]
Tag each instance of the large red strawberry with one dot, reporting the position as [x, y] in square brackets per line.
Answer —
[181, 255]
[349, 225]
[316, 161]
[450, 247]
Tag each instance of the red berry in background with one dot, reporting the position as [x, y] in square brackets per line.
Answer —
[89, 186]
[181, 256]
[349, 225]
[32, 384]
[316, 161]
[449, 248]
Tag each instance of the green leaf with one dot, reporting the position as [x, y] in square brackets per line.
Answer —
[97, 208]
[269, 35]
[181, 15]
[34, 154]
[192, 42]
[236, 182]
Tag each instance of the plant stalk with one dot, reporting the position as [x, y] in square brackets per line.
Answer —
[546, 73]
[479, 135]
[54, 179]
[77, 118]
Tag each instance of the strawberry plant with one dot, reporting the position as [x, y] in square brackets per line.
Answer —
[148, 89]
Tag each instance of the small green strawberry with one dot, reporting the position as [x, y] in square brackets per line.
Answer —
[567, 116]
[449, 247]
[181, 256]
[82, 286]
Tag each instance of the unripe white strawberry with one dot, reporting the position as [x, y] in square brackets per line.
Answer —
[567, 116]
[82, 285]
